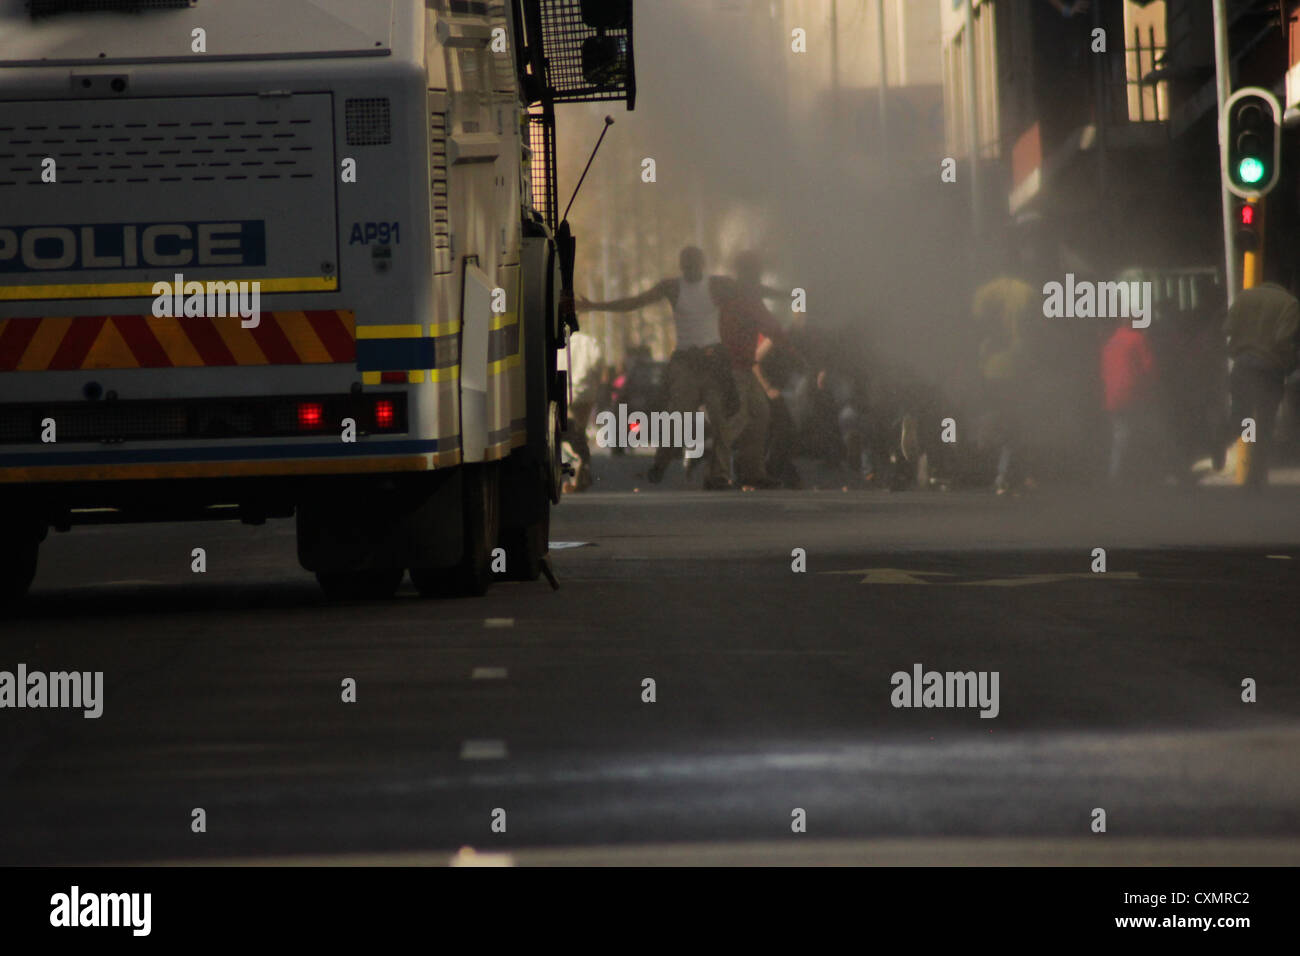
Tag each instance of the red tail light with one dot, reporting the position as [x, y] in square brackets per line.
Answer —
[385, 413]
[310, 415]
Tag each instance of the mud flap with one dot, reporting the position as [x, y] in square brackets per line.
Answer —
[476, 321]
[384, 524]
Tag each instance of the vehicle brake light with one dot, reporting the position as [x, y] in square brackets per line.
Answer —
[385, 413]
[310, 415]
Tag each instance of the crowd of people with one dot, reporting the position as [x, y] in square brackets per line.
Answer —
[772, 394]
[1037, 399]
[1155, 401]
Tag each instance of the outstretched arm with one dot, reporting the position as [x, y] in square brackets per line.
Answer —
[1070, 8]
[629, 304]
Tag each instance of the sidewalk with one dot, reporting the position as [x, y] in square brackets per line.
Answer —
[1289, 475]
[626, 473]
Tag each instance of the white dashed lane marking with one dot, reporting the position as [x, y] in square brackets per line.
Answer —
[483, 750]
[488, 673]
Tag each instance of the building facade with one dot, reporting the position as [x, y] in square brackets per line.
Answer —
[1097, 133]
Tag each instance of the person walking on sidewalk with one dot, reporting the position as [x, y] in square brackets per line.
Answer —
[1128, 374]
[1262, 328]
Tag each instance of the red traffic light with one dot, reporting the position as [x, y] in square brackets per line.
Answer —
[1249, 224]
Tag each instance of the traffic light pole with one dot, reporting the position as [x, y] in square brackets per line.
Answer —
[1252, 260]
[1223, 75]
[1250, 161]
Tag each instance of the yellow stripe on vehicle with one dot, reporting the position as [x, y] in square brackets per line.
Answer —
[131, 290]
[65, 343]
[109, 350]
[502, 365]
[178, 346]
[390, 331]
[303, 337]
[242, 345]
[49, 336]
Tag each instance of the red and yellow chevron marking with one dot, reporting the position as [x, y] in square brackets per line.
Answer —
[143, 341]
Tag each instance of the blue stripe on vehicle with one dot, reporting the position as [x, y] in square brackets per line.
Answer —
[383, 355]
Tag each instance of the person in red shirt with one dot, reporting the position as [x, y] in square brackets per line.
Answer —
[743, 318]
[1128, 375]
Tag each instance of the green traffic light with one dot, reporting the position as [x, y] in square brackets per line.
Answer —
[1250, 170]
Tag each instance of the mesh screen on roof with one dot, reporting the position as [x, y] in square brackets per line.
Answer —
[563, 34]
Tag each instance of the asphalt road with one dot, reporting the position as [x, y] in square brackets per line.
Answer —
[1118, 690]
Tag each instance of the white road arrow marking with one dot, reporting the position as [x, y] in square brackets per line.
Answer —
[892, 575]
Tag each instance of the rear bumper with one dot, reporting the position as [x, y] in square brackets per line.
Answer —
[69, 497]
[325, 458]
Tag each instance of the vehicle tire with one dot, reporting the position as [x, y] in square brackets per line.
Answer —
[370, 585]
[472, 575]
[526, 547]
[18, 557]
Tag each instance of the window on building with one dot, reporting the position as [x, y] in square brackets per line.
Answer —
[1144, 46]
[986, 88]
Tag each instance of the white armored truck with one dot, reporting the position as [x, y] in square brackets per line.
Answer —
[262, 258]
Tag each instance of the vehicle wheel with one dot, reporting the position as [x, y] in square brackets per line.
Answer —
[18, 565]
[360, 585]
[471, 576]
[557, 416]
[526, 548]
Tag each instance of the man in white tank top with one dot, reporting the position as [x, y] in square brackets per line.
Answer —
[698, 371]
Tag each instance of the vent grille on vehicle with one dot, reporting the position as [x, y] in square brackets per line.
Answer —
[161, 151]
[48, 8]
[441, 216]
[368, 121]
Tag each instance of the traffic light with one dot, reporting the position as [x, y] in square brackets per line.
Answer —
[1249, 220]
[1251, 142]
